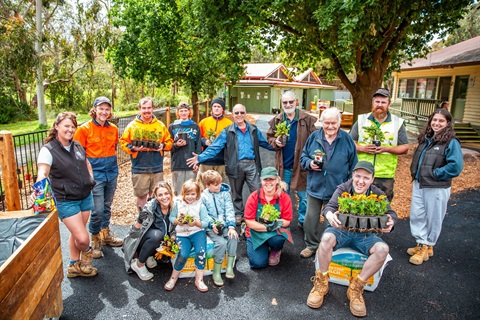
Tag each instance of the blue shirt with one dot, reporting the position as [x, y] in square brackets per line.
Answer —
[245, 146]
[289, 149]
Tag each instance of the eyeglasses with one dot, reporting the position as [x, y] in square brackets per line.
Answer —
[239, 112]
[288, 102]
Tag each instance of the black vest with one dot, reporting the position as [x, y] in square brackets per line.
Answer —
[433, 158]
[69, 174]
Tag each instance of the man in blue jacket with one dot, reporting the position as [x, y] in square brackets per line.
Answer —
[241, 141]
[329, 156]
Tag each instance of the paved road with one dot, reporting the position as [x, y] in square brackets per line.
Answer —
[446, 287]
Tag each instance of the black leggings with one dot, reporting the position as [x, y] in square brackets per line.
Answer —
[148, 245]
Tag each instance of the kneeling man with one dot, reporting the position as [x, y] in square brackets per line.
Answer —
[335, 238]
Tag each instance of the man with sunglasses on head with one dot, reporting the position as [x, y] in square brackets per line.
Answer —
[287, 156]
[241, 141]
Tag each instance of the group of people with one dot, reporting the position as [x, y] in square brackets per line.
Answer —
[317, 164]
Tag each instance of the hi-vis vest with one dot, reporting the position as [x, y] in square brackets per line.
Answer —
[385, 163]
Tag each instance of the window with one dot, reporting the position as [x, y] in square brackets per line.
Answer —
[420, 88]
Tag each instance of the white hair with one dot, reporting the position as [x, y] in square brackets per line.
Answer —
[331, 113]
[289, 93]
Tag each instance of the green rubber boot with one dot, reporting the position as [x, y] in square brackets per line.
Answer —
[217, 275]
[229, 274]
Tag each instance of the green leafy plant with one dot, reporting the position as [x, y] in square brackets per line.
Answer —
[282, 129]
[217, 223]
[137, 134]
[270, 213]
[211, 135]
[186, 218]
[362, 205]
[318, 155]
[374, 133]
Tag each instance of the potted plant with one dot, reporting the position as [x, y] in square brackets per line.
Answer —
[219, 225]
[154, 136]
[318, 158]
[269, 214]
[137, 137]
[363, 213]
[168, 247]
[282, 130]
[374, 134]
[186, 218]
[211, 135]
[183, 136]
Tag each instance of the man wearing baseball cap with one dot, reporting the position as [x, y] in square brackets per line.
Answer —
[382, 153]
[99, 138]
[366, 243]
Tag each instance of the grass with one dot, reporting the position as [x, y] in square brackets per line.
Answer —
[32, 126]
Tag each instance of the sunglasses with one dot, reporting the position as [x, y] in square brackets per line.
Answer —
[239, 112]
[288, 102]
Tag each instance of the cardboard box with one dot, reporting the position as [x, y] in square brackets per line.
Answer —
[347, 263]
[188, 270]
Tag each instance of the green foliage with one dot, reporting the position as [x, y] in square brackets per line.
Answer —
[468, 27]
[363, 205]
[282, 129]
[270, 213]
[12, 110]
[374, 131]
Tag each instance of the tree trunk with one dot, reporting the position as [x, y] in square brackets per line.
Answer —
[114, 91]
[22, 94]
[143, 89]
[196, 106]
[126, 91]
[362, 92]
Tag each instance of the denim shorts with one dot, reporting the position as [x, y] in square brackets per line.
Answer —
[70, 208]
[360, 241]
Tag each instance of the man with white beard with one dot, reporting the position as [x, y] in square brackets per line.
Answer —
[287, 156]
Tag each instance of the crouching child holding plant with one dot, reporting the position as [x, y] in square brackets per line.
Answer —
[218, 201]
[191, 218]
[268, 213]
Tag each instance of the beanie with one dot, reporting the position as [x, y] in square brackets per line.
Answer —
[219, 101]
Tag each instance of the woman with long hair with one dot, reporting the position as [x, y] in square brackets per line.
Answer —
[65, 162]
[436, 161]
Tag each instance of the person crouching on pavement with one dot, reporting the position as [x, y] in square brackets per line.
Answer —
[190, 233]
[265, 240]
[148, 231]
[335, 238]
[436, 161]
[218, 201]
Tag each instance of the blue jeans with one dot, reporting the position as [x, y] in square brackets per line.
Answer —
[199, 242]
[360, 241]
[103, 193]
[259, 258]
[302, 196]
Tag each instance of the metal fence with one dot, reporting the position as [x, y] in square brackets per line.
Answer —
[28, 145]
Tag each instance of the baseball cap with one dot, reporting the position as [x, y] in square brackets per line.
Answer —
[365, 165]
[382, 92]
[101, 100]
[269, 172]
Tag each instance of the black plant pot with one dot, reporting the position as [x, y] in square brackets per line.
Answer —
[183, 136]
[283, 140]
[343, 217]
[373, 222]
[220, 229]
[352, 221]
[383, 221]
[363, 222]
[318, 163]
[155, 145]
[264, 221]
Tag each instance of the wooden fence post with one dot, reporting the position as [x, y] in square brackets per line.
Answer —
[197, 112]
[9, 171]
[207, 107]
[167, 117]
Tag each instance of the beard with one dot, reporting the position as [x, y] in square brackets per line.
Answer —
[380, 113]
[289, 111]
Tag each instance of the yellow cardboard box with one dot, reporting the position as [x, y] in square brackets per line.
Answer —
[347, 263]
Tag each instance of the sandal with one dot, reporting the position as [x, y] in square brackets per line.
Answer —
[170, 284]
[201, 286]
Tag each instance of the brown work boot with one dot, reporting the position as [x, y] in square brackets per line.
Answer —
[108, 239]
[86, 261]
[354, 294]
[319, 290]
[307, 253]
[74, 270]
[421, 255]
[96, 248]
[412, 251]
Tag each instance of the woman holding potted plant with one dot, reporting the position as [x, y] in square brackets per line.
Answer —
[186, 136]
[273, 205]
[218, 201]
[436, 161]
[148, 231]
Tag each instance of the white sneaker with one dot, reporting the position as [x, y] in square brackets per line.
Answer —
[142, 272]
[151, 262]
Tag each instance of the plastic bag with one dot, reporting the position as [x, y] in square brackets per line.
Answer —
[44, 198]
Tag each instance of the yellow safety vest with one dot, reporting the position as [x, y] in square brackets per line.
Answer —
[385, 163]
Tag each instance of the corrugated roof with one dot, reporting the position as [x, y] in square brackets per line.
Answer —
[260, 70]
[463, 53]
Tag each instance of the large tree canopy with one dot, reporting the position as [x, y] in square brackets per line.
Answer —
[365, 38]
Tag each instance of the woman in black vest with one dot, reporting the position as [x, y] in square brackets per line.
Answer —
[437, 159]
[64, 162]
